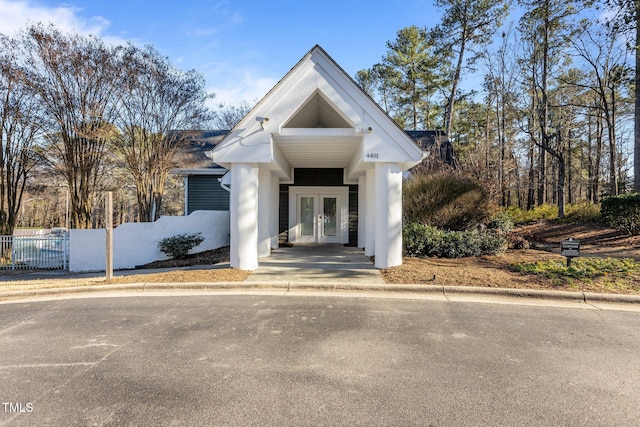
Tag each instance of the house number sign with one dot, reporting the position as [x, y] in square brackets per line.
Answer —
[372, 156]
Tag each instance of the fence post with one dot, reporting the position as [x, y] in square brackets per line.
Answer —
[65, 250]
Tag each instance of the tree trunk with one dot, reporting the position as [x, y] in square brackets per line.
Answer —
[610, 117]
[598, 159]
[542, 176]
[532, 176]
[590, 159]
[636, 145]
[454, 84]
[561, 183]
[569, 170]
[544, 111]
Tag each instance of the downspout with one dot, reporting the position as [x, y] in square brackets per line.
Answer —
[225, 178]
[224, 186]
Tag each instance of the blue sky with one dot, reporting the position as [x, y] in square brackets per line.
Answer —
[242, 47]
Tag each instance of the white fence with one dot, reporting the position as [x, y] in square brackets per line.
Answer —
[136, 244]
[48, 251]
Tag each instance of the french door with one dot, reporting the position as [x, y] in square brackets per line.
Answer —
[318, 218]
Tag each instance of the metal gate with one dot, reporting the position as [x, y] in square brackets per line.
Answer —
[38, 252]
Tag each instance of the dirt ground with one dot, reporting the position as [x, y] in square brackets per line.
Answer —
[485, 271]
[545, 237]
[180, 274]
[595, 239]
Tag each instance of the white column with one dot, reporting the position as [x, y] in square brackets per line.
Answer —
[388, 243]
[243, 208]
[275, 211]
[370, 216]
[362, 210]
[264, 213]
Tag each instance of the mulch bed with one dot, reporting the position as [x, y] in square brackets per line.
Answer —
[214, 256]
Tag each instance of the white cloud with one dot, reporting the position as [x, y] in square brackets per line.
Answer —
[230, 83]
[247, 88]
[16, 15]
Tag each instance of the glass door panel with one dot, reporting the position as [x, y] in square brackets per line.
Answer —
[329, 219]
[318, 218]
[307, 216]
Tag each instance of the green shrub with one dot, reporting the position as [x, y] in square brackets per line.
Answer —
[446, 202]
[178, 247]
[582, 212]
[502, 221]
[523, 216]
[492, 243]
[425, 241]
[622, 212]
[576, 212]
[421, 240]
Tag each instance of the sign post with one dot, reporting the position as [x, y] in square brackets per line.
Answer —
[109, 228]
[570, 248]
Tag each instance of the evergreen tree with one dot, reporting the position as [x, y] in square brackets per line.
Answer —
[467, 26]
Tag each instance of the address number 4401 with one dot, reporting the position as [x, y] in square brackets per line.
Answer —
[372, 156]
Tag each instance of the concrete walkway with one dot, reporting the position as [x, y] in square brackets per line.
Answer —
[310, 263]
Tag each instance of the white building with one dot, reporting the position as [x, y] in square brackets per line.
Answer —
[318, 154]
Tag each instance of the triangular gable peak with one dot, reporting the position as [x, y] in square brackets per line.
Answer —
[317, 116]
[318, 112]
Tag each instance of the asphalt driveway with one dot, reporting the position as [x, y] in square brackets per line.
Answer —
[307, 360]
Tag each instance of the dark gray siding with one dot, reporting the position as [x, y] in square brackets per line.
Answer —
[321, 177]
[205, 193]
[353, 215]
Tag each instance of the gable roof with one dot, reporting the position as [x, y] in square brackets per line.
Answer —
[317, 111]
[191, 156]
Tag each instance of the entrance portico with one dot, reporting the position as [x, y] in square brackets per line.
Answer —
[316, 120]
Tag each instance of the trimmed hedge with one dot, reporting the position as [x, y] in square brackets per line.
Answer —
[425, 241]
[622, 212]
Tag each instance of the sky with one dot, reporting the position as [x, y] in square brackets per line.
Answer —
[242, 47]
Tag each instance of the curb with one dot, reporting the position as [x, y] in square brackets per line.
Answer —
[445, 291]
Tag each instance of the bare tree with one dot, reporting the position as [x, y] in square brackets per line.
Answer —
[20, 126]
[626, 19]
[547, 27]
[74, 78]
[155, 100]
[500, 84]
[226, 116]
[606, 62]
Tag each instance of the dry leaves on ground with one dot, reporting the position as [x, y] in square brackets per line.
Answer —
[485, 271]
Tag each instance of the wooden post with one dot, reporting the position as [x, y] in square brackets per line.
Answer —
[109, 228]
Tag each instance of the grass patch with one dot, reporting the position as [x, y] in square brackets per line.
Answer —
[618, 273]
